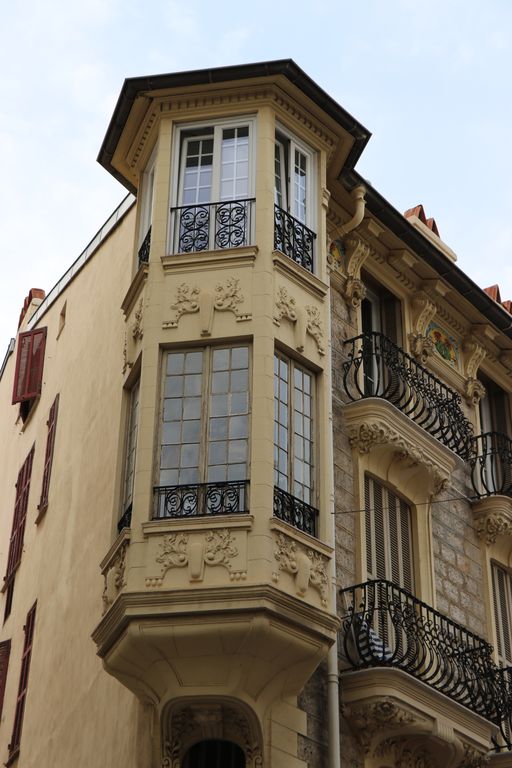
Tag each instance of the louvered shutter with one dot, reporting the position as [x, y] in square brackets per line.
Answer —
[50, 441]
[5, 650]
[23, 684]
[502, 602]
[388, 535]
[28, 375]
[20, 514]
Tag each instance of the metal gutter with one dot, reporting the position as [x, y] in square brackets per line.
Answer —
[446, 269]
[138, 86]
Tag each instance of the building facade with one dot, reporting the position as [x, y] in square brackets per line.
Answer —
[256, 462]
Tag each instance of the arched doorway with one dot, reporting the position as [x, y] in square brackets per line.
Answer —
[214, 753]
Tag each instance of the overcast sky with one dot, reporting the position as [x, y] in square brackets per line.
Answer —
[431, 81]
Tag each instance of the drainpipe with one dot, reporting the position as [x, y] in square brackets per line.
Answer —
[357, 194]
[333, 696]
[333, 693]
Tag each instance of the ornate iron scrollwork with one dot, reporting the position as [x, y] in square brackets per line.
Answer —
[208, 226]
[293, 238]
[199, 499]
[491, 464]
[295, 512]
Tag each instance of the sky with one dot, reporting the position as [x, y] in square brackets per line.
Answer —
[430, 80]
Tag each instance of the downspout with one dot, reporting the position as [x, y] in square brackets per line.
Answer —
[333, 684]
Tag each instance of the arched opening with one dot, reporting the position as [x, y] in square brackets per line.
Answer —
[214, 753]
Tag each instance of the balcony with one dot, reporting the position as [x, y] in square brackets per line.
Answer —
[376, 367]
[200, 499]
[491, 464]
[295, 512]
[144, 249]
[404, 655]
[293, 238]
[503, 742]
[211, 226]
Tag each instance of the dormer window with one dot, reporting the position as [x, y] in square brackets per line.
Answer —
[215, 188]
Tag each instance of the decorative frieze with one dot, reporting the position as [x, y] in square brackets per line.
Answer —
[210, 548]
[191, 299]
[306, 321]
[308, 566]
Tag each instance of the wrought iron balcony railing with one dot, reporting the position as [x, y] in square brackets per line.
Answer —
[503, 742]
[208, 226]
[125, 520]
[144, 249]
[385, 626]
[293, 238]
[200, 499]
[491, 464]
[376, 367]
[295, 512]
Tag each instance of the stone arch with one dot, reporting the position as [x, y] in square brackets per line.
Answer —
[189, 721]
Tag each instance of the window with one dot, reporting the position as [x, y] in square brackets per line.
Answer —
[5, 650]
[388, 535]
[14, 746]
[215, 188]
[131, 450]
[492, 473]
[293, 429]
[18, 527]
[28, 376]
[502, 603]
[293, 195]
[146, 209]
[48, 458]
[205, 421]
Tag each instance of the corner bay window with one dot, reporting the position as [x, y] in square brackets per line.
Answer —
[293, 445]
[215, 188]
[131, 451]
[203, 460]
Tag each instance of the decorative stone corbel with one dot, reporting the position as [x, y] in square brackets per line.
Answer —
[114, 574]
[421, 347]
[492, 525]
[308, 566]
[424, 309]
[506, 359]
[474, 353]
[474, 391]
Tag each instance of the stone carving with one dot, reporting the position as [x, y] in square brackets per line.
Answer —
[137, 329]
[315, 328]
[354, 291]
[190, 299]
[506, 359]
[209, 721]
[114, 576]
[220, 548]
[285, 306]
[356, 253]
[126, 363]
[178, 550]
[307, 566]
[424, 309]
[186, 301]
[474, 390]
[369, 434]
[421, 347]
[474, 759]
[474, 353]
[492, 525]
[383, 715]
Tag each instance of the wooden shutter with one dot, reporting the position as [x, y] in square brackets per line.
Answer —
[48, 458]
[28, 375]
[20, 514]
[502, 602]
[388, 535]
[5, 650]
[23, 684]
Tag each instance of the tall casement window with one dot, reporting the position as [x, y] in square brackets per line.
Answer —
[48, 458]
[146, 209]
[18, 528]
[203, 460]
[131, 452]
[388, 535]
[14, 746]
[215, 188]
[5, 650]
[492, 472]
[502, 605]
[381, 323]
[294, 209]
[294, 472]
[28, 376]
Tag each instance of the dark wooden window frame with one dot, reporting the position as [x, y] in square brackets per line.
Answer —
[28, 375]
[48, 458]
[14, 746]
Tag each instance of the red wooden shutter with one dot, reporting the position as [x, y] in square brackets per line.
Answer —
[29, 365]
[48, 458]
[20, 515]
[5, 650]
[22, 689]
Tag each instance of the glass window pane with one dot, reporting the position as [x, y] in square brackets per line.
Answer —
[239, 402]
[168, 477]
[221, 359]
[190, 475]
[239, 381]
[237, 451]
[173, 386]
[219, 405]
[218, 429]
[239, 357]
[193, 384]
[238, 427]
[192, 408]
[194, 362]
[218, 453]
[172, 409]
[191, 431]
[171, 433]
[220, 382]
[175, 362]
[189, 455]
[169, 456]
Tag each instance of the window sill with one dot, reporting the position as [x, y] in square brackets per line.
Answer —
[286, 266]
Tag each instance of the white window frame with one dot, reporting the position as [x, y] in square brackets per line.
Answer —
[147, 197]
[290, 145]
